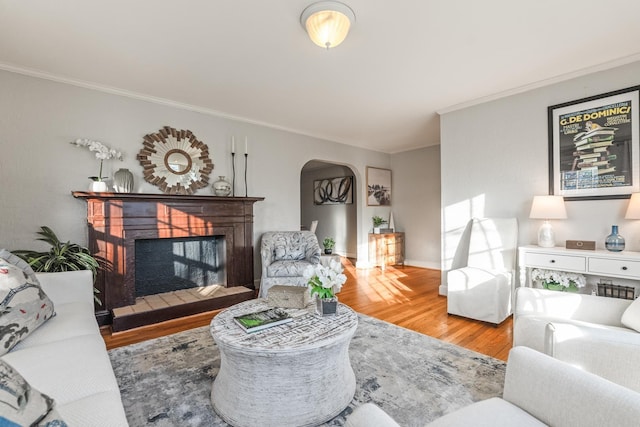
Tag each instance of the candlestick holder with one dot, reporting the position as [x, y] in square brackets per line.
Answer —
[233, 178]
[246, 156]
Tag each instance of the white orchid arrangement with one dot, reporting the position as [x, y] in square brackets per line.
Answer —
[560, 280]
[323, 279]
[102, 153]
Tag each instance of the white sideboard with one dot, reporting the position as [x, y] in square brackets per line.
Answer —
[600, 263]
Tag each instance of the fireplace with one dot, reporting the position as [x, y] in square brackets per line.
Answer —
[157, 247]
[171, 264]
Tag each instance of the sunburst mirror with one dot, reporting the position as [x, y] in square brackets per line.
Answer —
[175, 161]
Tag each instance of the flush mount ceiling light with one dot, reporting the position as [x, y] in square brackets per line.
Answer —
[327, 22]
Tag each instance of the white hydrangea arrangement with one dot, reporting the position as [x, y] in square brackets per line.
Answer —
[102, 153]
[324, 279]
[559, 280]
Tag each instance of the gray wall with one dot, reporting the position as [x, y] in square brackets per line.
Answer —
[337, 221]
[39, 168]
[494, 160]
[416, 204]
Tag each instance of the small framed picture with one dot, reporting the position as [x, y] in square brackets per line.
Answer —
[594, 146]
[378, 187]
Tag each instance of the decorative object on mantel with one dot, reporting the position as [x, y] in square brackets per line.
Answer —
[547, 207]
[246, 157]
[233, 166]
[559, 280]
[221, 187]
[123, 181]
[325, 281]
[614, 241]
[392, 224]
[102, 153]
[588, 245]
[175, 161]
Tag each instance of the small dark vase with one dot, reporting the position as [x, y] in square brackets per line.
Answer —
[614, 241]
[327, 306]
[328, 251]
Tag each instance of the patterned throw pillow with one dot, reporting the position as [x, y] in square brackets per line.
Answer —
[23, 305]
[294, 252]
[21, 405]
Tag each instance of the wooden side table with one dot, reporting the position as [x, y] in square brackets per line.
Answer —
[386, 249]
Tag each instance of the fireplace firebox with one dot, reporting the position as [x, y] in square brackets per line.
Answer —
[169, 233]
[171, 264]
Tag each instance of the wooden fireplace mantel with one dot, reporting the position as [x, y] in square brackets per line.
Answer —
[116, 220]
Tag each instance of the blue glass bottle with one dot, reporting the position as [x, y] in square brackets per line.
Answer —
[614, 241]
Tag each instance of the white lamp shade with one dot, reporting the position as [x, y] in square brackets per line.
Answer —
[548, 207]
[327, 22]
[633, 209]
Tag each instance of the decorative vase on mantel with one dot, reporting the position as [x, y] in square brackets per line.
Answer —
[614, 241]
[327, 306]
[221, 187]
[98, 186]
[123, 181]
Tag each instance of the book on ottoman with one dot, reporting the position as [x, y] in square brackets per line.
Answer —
[253, 322]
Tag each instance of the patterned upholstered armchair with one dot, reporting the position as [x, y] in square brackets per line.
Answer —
[285, 255]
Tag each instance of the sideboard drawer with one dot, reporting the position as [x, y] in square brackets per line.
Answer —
[614, 267]
[556, 262]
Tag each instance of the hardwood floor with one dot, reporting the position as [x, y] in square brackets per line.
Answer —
[405, 296]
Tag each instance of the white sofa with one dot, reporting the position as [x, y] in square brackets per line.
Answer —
[538, 391]
[586, 331]
[66, 357]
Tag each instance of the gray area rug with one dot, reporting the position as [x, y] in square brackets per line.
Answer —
[415, 378]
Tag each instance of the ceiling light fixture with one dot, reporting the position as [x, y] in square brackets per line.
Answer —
[327, 22]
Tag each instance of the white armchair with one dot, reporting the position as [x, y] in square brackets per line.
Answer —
[285, 255]
[538, 391]
[586, 331]
[481, 281]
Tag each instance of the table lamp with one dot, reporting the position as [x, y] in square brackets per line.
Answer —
[547, 207]
[633, 209]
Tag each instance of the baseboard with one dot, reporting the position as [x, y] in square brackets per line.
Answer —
[423, 264]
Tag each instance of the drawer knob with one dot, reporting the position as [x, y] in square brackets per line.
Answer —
[552, 261]
[624, 268]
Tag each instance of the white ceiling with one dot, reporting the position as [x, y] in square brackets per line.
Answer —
[403, 60]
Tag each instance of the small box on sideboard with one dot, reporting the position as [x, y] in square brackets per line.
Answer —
[589, 245]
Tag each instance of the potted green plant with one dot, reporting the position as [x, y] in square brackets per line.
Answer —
[328, 244]
[61, 257]
[377, 222]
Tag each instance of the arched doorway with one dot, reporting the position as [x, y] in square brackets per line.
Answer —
[336, 215]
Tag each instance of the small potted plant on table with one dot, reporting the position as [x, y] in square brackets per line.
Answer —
[324, 282]
[377, 222]
[328, 244]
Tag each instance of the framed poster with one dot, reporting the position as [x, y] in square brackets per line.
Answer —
[378, 187]
[333, 191]
[594, 145]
